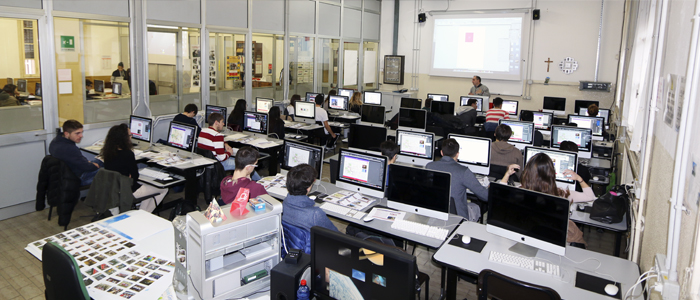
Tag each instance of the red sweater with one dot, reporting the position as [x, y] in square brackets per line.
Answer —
[229, 188]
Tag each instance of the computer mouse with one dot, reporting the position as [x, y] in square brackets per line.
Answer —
[466, 239]
[596, 178]
[312, 197]
[168, 178]
[611, 289]
[368, 218]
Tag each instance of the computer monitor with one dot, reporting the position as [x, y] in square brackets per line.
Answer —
[443, 108]
[346, 267]
[542, 120]
[263, 105]
[418, 190]
[373, 114]
[182, 136]
[116, 88]
[210, 109]
[311, 97]
[411, 103]
[596, 124]
[580, 136]
[99, 86]
[511, 106]
[305, 110]
[37, 89]
[438, 97]
[255, 122]
[602, 112]
[474, 152]
[554, 105]
[584, 103]
[296, 153]
[366, 138]
[346, 92]
[338, 103]
[480, 100]
[523, 132]
[415, 148]
[533, 220]
[22, 86]
[10, 80]
[361, 172]
[373, 98]
[562, 160]
[412, 119]
[140, 128]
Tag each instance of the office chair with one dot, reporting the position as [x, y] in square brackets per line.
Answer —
[62, 276]
[111, 189]
[59, 186]
[210, 181]
[498, 172]
[496, 285]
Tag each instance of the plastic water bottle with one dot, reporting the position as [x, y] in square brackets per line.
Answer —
[303, 291]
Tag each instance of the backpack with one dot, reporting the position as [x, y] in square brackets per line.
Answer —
[611, 207]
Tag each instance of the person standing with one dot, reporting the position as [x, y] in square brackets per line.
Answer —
[478, 88]
[322, 116]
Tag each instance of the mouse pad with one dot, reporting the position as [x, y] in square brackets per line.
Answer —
[596, 284]
[475, 245]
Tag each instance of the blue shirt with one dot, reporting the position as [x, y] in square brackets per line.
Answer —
[300, 211]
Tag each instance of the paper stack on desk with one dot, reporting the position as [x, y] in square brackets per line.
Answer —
[350, 199]
[233, 137]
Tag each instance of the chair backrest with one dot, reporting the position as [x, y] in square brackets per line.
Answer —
[495, 285]
[498, 171]
[110, 189]
[62, 277]
[211, 179]
[295, 238]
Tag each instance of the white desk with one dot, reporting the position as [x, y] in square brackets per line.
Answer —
[457, 259]
[248, 138]
[584, 218]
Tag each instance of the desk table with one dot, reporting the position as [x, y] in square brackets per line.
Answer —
[270, 147]
[457, 259]
[584, 218]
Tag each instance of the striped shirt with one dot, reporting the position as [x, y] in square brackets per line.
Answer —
[212, 140]
[493, 115]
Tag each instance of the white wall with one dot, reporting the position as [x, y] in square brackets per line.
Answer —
[10, 62]
[101, 42]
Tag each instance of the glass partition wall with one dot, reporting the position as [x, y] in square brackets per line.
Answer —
[350, 65]
[301, 57]
[227, 76]
[370, 50]
[327, 67]
[267, 56]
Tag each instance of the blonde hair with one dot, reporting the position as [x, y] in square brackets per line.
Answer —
[356, 99]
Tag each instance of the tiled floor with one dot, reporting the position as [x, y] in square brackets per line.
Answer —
[21, 273]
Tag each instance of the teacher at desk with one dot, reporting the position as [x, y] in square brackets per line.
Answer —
[478, 88]
[119, 72]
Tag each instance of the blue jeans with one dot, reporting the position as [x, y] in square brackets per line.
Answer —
[230, 165]
[87, 177]
[490, 126]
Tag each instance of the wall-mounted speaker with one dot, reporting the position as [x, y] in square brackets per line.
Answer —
[535, 14]
[422, 18]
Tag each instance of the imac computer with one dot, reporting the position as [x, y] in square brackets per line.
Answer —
[602, 112]
[411, 103]
[366, 138]
[373, 114]
[296, 153]
[562, 160]
[305, 112]
[523, 133]
[263, 105]
[596, 124]
[480, 100]
[374, 98]
[578, 104]
[415, 148]
[141, 128]
[443, 108]
[412, 119]
[474, 153]
[100, 87]
[511, 106]
[37, 89]
[554, 105]
[339, 103]
[418, 190]
[542, 120]
[210, 109]
[346, 92]
[311, 97]
[22, 87]
[117, 88]
[256, 123]
[362, 172]
[580, 136]
[535, 221]
[182, 137]
[346, 267]
[438, 97]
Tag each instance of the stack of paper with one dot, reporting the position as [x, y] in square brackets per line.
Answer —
[350, 199]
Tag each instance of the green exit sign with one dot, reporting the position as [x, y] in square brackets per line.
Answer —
[67, 42]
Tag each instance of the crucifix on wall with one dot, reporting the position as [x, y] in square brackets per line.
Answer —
[548, 61]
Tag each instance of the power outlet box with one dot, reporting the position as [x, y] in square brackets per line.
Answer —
[670, 289]
[594, 86]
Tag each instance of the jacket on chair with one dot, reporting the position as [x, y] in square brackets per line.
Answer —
[58, 186]
[110, 189]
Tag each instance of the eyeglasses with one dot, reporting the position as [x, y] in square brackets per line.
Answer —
[254, 166]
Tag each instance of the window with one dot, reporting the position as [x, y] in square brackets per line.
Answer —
[301, 57]
[267, 56]
[228, 73]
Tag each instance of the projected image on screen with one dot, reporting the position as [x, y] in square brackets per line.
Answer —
[487, 44]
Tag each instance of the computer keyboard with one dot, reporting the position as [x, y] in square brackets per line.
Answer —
[420, 229]
[525, 263]
[160, 175]
[338, 209]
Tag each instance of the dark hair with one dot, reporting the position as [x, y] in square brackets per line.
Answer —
[238, 112]
[568, 146]
[121, 64]
[117, 139]
[593, 110]
[478, 78]
[319, 99]
[294, 99]
[450, 147]
[300, 178]
[214, 117]
[191, 108]
[428, 102]
[526, 115]
[331, 93]
[389, 149]
[503, 132]
[10, 89]
[471, 101]
[245, 156]
[274, 118]
[539, 175]
[497, 102]
[88, 82]
[71, 125]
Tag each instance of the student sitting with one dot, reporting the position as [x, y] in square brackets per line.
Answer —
[322, 116]
[503, 153]
[355, 102]
[211, 139]
[298, 208]
[246, 160]
[495, 114]
[235, 119]
[187, 116]
[291, 108]
[64, 148]
[581, 170]
[275, 123]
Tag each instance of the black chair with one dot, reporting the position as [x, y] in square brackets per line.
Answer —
[210, 181]
[498, 172]
[59, 186]
[113, 193]
[62, 277]
[494, 285]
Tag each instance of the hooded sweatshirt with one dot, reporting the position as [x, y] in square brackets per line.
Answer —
[7, 100]
[504, 154]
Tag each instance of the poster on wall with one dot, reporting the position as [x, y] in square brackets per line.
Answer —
[232, 67]
[350, 68]
[670, 99]
[212, 68]
[679, 101]
[196, 69]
